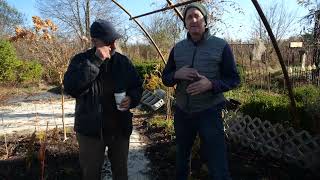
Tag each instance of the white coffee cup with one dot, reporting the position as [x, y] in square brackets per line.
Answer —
[119, 97]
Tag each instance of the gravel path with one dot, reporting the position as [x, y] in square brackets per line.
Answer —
[25, 114]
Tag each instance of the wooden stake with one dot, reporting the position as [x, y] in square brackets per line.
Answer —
[5, 140]
[62, 109]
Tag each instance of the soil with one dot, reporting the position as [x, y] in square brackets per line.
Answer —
[61, 161]
[22, 114]
[61, 158]
[244, 163]
[22, 162]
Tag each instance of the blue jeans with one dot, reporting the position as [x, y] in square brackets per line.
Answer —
[208, 124]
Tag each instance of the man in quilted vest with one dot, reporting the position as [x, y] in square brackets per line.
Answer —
[202, 67]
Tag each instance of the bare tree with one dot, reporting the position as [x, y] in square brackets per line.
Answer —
[312, 6]
[9, 18]
[75, 16]
[282, 22]
[165, 29]
[281, 19]
[216, 10]
[128, 32]
[313, 17]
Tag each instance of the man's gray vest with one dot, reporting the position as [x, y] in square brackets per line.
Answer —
[205, 56]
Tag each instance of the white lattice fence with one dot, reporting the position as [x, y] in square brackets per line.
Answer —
[273, 140]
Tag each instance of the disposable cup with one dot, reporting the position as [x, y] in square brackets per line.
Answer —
[119, 97]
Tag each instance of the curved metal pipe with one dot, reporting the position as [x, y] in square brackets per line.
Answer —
[143, 29]
[296, 120]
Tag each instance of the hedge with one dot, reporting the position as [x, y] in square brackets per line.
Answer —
[13, 70]
[145, 68]
[266, 106]
[276, 107]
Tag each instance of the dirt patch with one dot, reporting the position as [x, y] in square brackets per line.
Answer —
[243, 162]
[21, 115]
[160, 150]
[61, 160]
[22, 161]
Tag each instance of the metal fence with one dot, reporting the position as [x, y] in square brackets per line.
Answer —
[260, 78]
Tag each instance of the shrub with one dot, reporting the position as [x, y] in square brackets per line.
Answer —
[30, 72]
[153, 82]
[242, 94]
[150, 72]
[8, 62]
[241, 71]
[308, 105]
[161, 122]
[145, 68]
[308, 93]
[266, 106]
[276, 107]
[51, 75]
[13, 70]
[312, 111]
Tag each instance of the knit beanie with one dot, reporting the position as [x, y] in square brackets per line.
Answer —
[198, 6]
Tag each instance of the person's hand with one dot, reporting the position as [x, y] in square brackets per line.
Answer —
[200, 86]
[103, 52]
[186, 73]
[125, 103]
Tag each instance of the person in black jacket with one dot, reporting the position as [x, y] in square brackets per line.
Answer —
[92, 78]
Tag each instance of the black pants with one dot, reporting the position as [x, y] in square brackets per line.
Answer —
[91, 155]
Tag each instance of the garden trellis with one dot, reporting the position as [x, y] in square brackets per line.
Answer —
[273, 140]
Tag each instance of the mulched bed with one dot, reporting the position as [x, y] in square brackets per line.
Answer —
[61, 158]
[244, 163]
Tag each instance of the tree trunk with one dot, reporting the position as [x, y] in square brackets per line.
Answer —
[316, 55]
[87, 14]
[79, 18]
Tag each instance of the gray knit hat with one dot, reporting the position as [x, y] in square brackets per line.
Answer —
[198, 6]
[104, 31]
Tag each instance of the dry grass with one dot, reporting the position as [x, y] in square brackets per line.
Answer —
[7, 92]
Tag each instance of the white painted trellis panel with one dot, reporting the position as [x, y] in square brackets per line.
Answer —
[273, 140]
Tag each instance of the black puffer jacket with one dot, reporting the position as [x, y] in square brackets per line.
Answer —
[87, 79]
